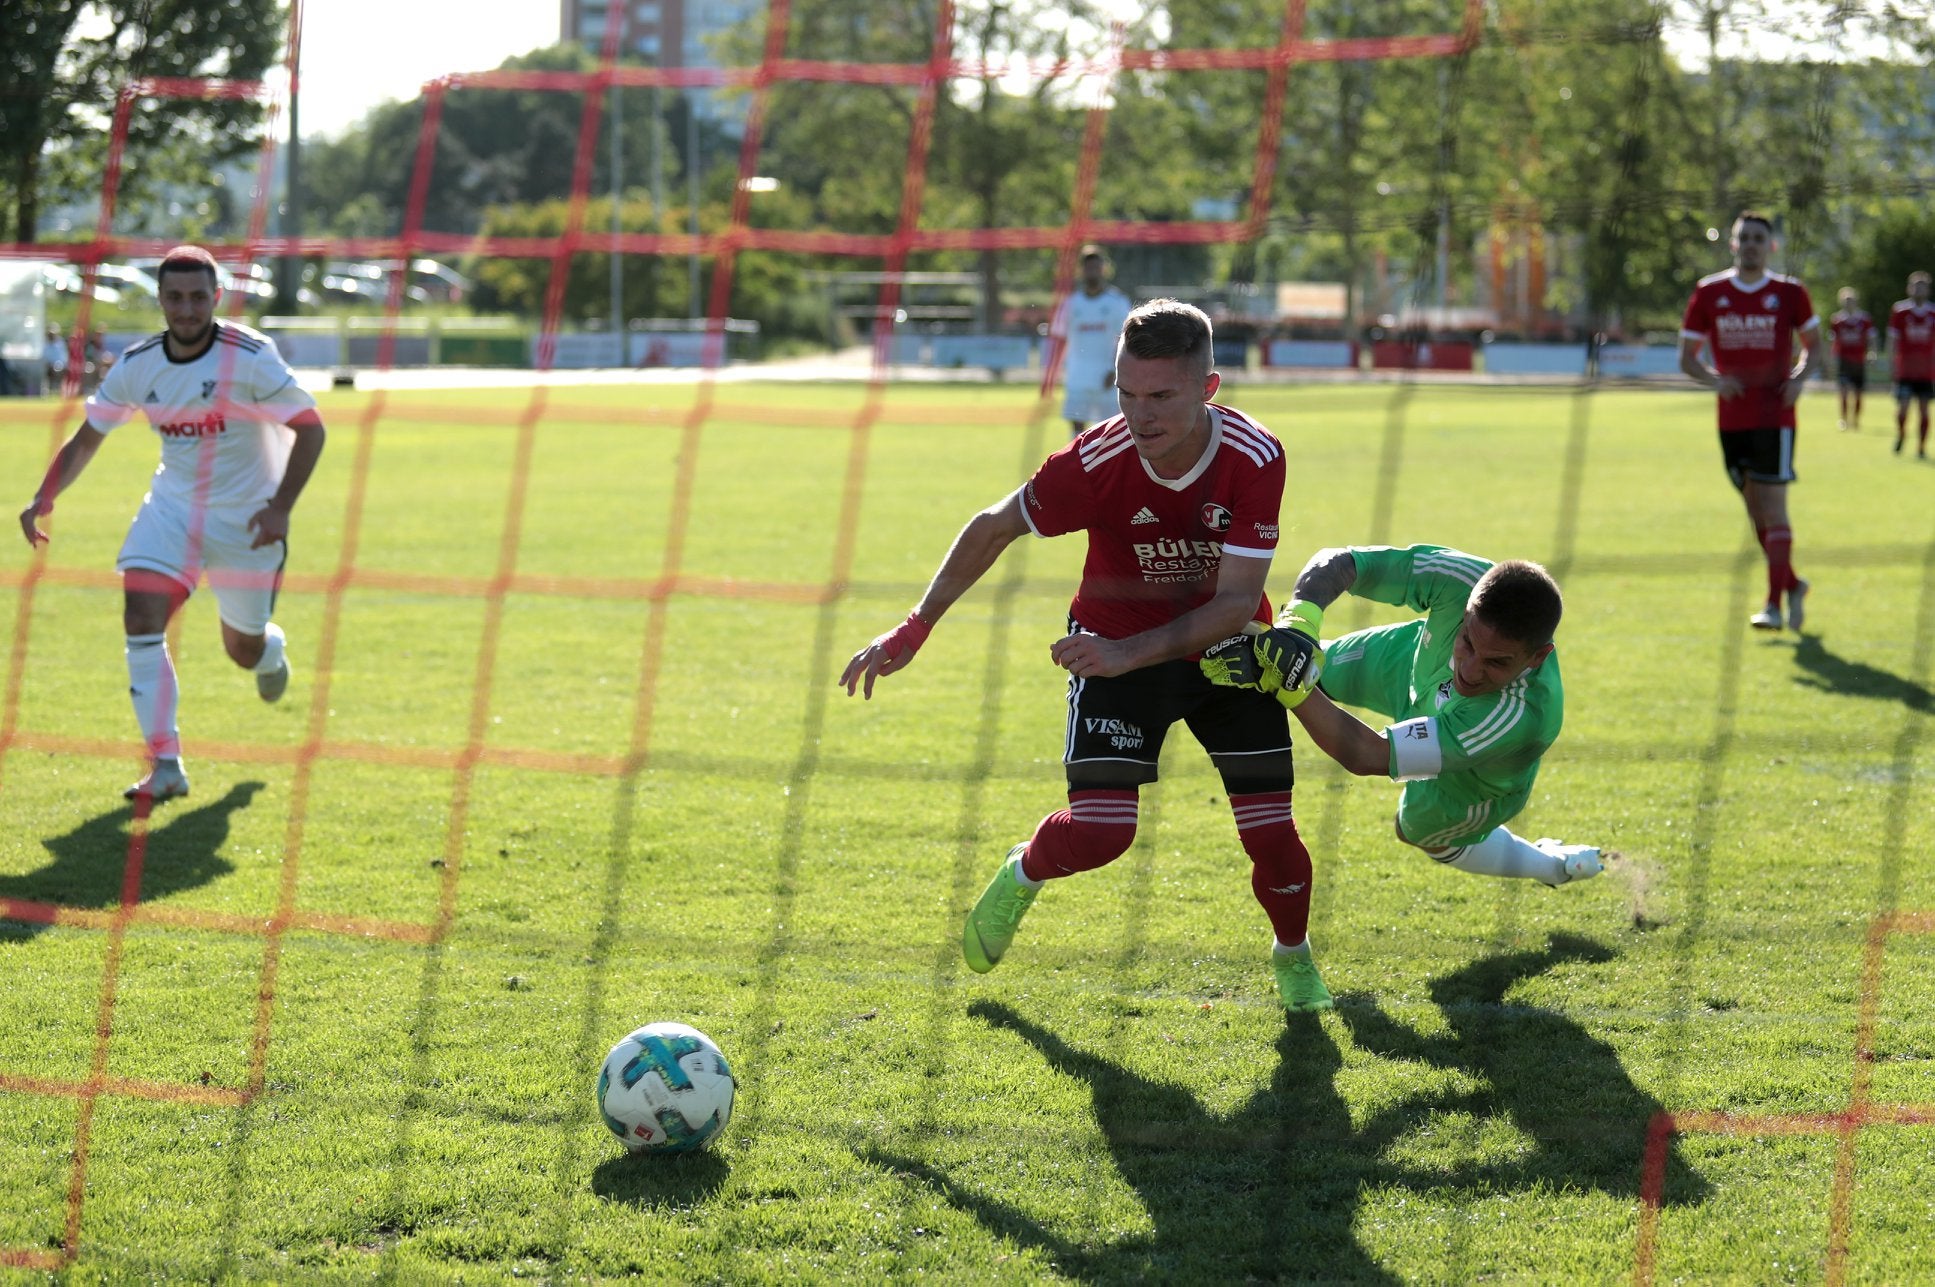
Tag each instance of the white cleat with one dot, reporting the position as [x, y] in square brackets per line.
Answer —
[165, 781]
[1768, 618]
[270, 685]
[1797, 606]
[1577, 862]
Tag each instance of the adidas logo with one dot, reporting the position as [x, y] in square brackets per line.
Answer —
[1143, 516]
[152, 397]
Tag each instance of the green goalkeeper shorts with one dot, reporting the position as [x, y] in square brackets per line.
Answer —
[1374, 669]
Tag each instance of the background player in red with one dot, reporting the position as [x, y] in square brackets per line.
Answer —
[1911, 335]
[1179, 497]
[1748, 319]
[1852, 329]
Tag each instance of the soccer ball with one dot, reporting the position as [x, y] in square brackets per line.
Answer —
[665, 1089]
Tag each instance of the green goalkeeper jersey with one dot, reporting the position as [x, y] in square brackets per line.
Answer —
[1474, 747]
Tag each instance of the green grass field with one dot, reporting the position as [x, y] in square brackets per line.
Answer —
[564, 754]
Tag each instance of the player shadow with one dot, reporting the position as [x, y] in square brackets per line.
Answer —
[1832, 674]
[1280, 1181]
[183, 852]
[1562, 1088]
[663, 1182]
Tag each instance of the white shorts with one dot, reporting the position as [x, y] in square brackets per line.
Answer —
[162, 540]
[1090, 402]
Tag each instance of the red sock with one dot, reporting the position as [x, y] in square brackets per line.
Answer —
[1094, 830]
[1280, 871]
[1779, 545]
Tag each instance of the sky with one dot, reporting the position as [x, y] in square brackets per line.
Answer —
[358, 53]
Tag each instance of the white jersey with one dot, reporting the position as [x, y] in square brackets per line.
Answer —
[1089, 326]
[221, 417]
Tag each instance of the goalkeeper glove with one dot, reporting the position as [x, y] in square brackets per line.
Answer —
[1291, 641]
[1232, 663]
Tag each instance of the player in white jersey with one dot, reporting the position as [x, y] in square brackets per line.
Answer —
[239, 439]
[1083, 335]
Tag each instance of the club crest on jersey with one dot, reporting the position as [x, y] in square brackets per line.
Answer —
[208, 388]
[1215, 517]
[1444, 692]
[1770, 300]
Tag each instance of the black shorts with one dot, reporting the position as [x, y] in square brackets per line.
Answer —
[1922, 390]
[1852, 374]
[1758, 455]
[1116, 726]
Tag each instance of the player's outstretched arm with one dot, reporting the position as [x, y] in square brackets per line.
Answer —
[271, 523]
[974, 551]
[1343, 737]
[69, 461]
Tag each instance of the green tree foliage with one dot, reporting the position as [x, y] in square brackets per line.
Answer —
[64, 62]
[1897, 240]
[771, 288]
[1000, 155]
[495, 147]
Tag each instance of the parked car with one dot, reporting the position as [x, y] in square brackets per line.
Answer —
[357, 283]
[67, 280]
[126, 278]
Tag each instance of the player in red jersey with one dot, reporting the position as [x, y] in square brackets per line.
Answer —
[1179, 497]
[1748, 320]
[1852, 329]
[1911, 334]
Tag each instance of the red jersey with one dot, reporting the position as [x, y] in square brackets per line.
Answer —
[1155, 544]
[1750, 334]
[1852, 331]
[1911, 334]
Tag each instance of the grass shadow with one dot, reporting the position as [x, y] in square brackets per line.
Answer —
[1831, 674]
[1272, 1192]
[665, 1182]
[89, 863]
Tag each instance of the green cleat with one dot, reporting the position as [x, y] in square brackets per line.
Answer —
[997, 913]
[1298, 982]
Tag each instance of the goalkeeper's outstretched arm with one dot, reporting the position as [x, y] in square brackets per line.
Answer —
[1327, 577]
[1343, 737]
[974, 551]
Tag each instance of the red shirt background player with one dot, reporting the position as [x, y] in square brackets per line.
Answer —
[1749, 323]
[1852, 329]
[1911, 335]
[1747, 320]
[1179, 498]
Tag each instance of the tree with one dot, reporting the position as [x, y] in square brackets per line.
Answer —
[1001, 155]
[495, 148]
[1897, 241]
[64, 63]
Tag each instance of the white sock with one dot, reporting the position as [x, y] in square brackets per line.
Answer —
[1504, 854]
[1021, 874]
[273, 646]
[151, 685]
[1301, 949]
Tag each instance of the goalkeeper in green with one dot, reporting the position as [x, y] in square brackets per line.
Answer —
[1472, 689]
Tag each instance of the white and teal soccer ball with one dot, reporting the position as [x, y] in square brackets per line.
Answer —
[666, 1089]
